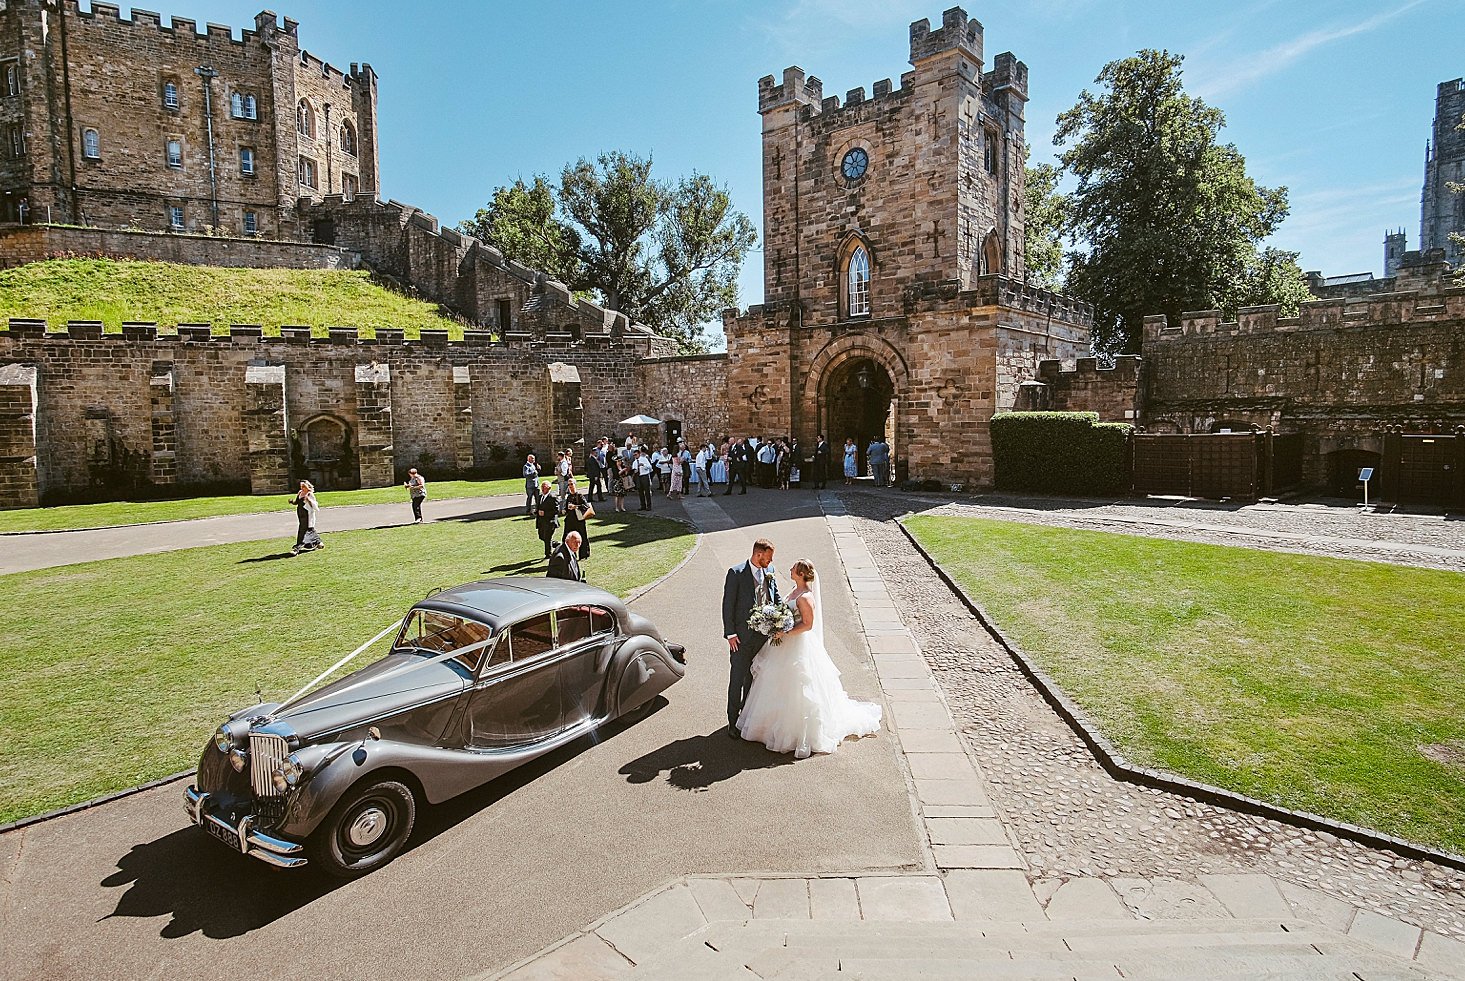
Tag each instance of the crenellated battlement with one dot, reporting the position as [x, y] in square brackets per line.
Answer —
[21, 329]
[1126, 368]
[1008, 75]
[308, 62]
[1400, 308]
[958, 32]
[178, 27]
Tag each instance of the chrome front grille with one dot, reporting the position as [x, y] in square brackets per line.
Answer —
[266, 752]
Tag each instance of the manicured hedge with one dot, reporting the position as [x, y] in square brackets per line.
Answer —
[1060, 453]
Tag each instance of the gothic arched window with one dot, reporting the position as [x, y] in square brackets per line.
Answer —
[236, 105]
[348, 139]
[305, 119]
[857, 282]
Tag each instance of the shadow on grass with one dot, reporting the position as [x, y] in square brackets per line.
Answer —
[267, 558]
[697, 762]
[205, 888]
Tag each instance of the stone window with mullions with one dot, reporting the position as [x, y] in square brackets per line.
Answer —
[242, 105]
[91, 144]
[857, 282]
[170, 94]
[173, 154]
[12, 77]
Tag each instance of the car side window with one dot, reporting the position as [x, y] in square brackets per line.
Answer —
[574, 624]
[602, 621]
[533, 637]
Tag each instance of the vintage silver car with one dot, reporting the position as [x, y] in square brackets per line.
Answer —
[480, 679]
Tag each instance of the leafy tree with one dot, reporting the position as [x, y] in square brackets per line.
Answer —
[1045, 210]
[1166, 217]
[664, 254]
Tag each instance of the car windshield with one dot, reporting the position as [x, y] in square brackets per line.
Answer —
[432, 632]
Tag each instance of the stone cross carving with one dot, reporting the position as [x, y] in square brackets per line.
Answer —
[935, 235]
[758, 397]
[949, 390]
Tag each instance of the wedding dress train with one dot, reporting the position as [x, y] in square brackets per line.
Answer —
[796, 703]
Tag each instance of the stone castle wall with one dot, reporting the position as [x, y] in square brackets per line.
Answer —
[692, 390]
[1338, 373]
[20, 244]
[99, 72]
[83, 413]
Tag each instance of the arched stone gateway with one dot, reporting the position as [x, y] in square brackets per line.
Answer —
[857, 385]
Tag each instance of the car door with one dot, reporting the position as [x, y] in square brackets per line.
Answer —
[586, 636]
[517, 701]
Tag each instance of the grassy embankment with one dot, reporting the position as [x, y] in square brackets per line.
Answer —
[168, 294]
[115, 672]
[1321, 684]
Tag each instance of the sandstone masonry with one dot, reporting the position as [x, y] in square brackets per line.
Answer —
[121, 122]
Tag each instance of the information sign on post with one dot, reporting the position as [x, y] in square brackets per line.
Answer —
[1365, 474]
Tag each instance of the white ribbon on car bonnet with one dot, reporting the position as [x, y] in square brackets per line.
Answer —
[435, 659]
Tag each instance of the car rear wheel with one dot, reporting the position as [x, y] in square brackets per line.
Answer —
[366, 830]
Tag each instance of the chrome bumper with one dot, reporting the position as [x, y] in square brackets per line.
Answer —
[256, 844]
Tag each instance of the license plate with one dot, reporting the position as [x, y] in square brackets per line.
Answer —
[223, 834]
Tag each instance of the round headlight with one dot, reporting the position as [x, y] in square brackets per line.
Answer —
[278, 779]
[289, 772]
[223, 741]
[238, 759]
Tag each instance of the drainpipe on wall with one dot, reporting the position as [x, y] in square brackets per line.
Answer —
[70, 124]
[208, 75]
[326, 140]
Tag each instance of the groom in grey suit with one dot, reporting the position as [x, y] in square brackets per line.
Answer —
[748, 584]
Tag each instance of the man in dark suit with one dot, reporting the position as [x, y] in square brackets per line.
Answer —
[565, 562]
[821, 462]
[748, 584]
[740, 461]
[546, 516]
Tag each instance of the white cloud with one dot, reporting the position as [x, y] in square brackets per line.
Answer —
[1241, 73]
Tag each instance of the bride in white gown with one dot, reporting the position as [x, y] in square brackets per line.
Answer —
[796, 703]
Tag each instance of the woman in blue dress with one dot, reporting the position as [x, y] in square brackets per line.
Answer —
[851, 461]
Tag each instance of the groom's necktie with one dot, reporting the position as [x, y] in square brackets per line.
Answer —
[760, 594]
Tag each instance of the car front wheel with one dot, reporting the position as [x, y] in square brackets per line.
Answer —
[366, 830]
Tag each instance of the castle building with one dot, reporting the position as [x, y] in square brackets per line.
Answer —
[130, 123]
[895, 301]
[1442, 210]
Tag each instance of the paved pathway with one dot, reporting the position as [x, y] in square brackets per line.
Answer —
[21, 553]
[990, 902]
[128, 890]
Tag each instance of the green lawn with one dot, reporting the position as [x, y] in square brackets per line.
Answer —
[139, 512]
[166, 293]
[114, 673]
[1314, 683]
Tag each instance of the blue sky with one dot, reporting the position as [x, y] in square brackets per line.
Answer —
[1333, 98]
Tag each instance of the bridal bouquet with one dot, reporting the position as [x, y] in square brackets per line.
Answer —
[771, 618]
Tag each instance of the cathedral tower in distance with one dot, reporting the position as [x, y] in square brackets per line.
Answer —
[1442, 210]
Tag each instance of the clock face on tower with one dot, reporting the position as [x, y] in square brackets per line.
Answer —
[855, 163]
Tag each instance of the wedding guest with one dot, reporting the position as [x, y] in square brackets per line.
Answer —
[577, 511]
[564, 564]
[851, 461]
[663, 460]
[821, 462]
[546, 515]
[417, 489]
[564, 468]
[702, 468]
[785, 465]
[621, 482]
[767, 464]
[307, 510]
[879, 454]
[643, 470]
[740, 458]
[674, 479]
[531, 484]
[592, 471]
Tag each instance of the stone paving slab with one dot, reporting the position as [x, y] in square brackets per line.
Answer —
[976, 857]
[1442, 954]
[782, 899]
[895, 644]
[1248, 895]
[718, 900]
[940, 766]
[586, 956]
[1163, 899]
[833, 899]
[992, 894]
[1087, 899]
[641, 931]
[1385, 933]
[929, 741]
[1316, 905]
[906, 897]
[900, 664]
[966, 831]
[917, 715]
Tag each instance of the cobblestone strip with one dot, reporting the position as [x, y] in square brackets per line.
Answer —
[1071, 819]
[960, 822]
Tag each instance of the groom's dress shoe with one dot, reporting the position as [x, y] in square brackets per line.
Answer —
[733, 733]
